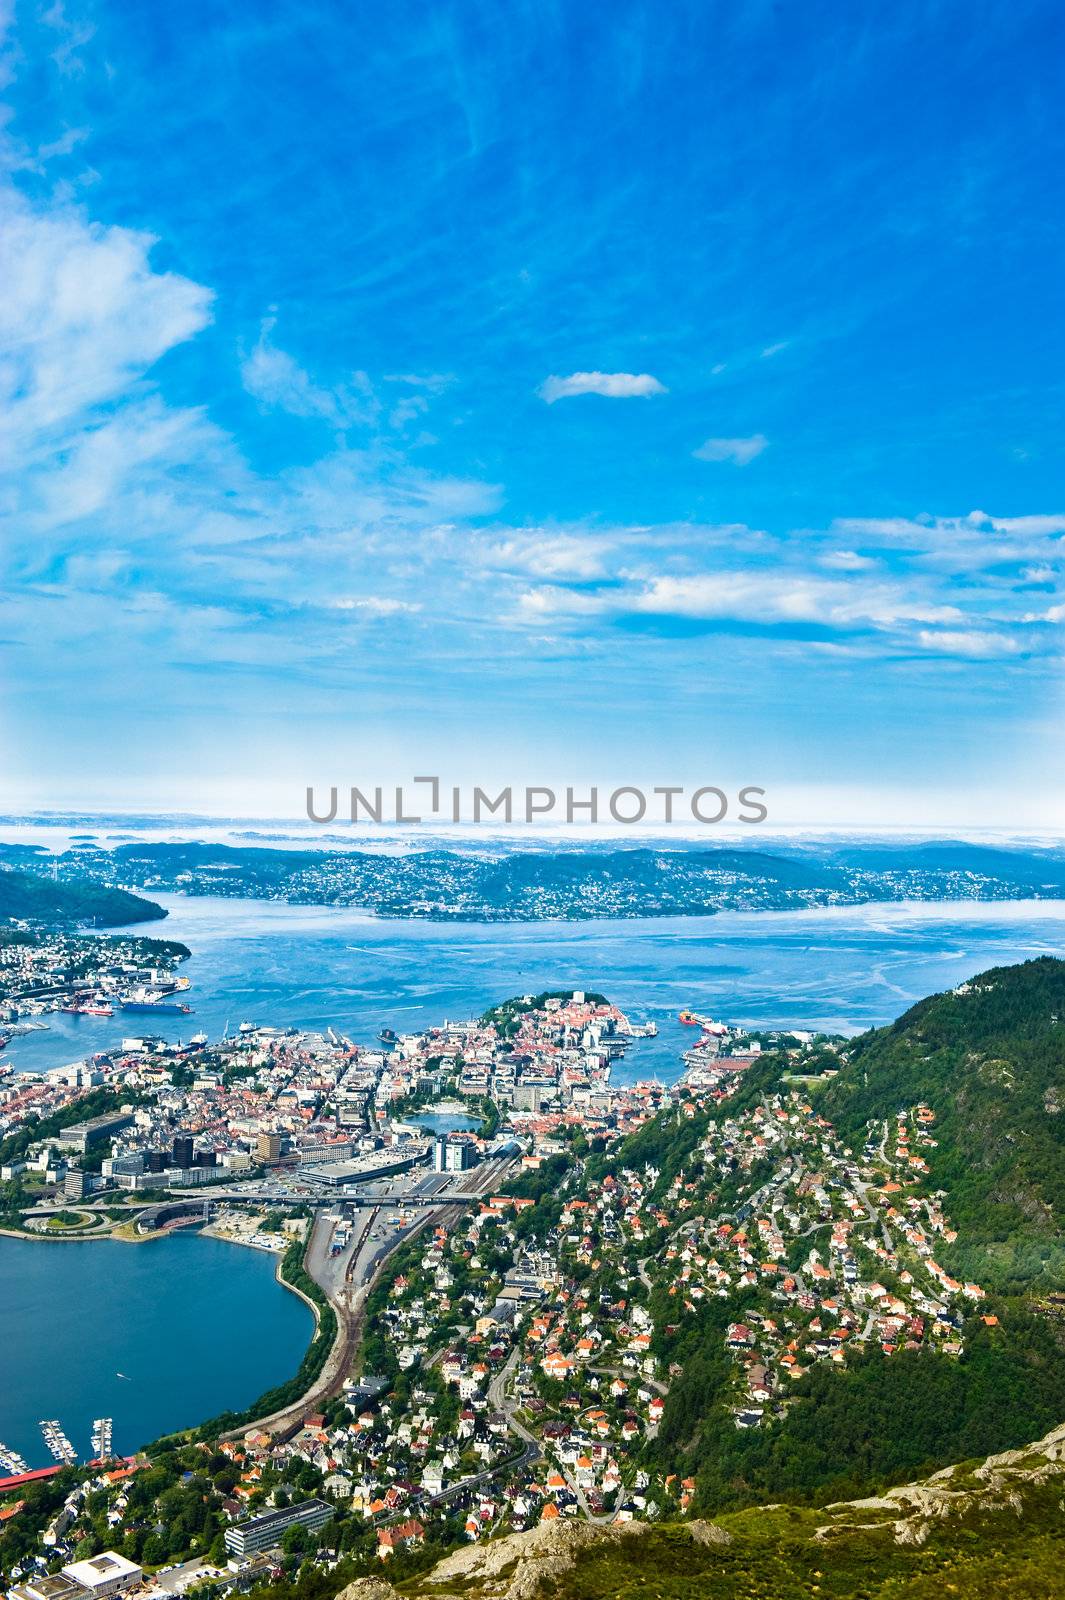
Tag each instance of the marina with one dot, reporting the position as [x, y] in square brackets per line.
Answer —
[57, 1442]
[101, 1438]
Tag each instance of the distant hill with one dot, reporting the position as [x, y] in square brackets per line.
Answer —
[989, 1059]
[572, 880]
[28, 896]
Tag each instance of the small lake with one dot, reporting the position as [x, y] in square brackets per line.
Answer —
[444, 1122]
[157, 1336]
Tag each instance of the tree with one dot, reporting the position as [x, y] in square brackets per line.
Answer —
[296, 1541]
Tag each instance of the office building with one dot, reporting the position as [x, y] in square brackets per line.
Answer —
[76, 1184]
[266, 1531]
[460, 1155]
[83, 1135]
[181, 1154]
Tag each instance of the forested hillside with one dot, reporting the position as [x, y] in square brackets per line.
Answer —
[989, 1059]
[32, 898]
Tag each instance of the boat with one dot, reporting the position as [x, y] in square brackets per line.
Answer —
[689, 1019]
[198, 1040]
[246, 1027]
[98, 1008]
[172, 1006]
[12, 1460]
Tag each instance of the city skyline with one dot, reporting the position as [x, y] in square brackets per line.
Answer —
[534, 397]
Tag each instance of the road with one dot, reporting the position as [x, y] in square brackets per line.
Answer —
[347, 1277]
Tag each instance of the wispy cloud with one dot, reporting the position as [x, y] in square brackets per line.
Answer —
[741, 452]
[73, 35]
[375, 605]
[277, 380]
[83, 317]
[789, 597]
[846, 561]
[972, 645]
[550, 555]
[613, 385]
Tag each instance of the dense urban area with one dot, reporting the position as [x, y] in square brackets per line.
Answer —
[540, 1294]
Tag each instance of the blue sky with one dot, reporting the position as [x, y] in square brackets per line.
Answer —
[535, 393]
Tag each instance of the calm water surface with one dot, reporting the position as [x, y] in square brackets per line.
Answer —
[157, 1335]
[309, 966]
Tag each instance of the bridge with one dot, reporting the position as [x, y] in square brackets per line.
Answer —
[346, 1197]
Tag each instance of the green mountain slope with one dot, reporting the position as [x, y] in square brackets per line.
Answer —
[989, 1060]
[27, 896]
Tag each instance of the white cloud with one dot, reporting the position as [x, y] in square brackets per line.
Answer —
[977, 646]
[614, 385]
[277, 381]
[774, 349]
[549, 555]
[549, 601]
[786, 597]
[846, 561]
[739, 451]
[374, 604]
[83, 317]
[1051, 614]
[928, 530]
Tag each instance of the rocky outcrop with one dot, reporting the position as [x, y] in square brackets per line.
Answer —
[516, 1567]
[997, 1484]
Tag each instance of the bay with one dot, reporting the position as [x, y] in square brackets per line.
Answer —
[841, 969]
[158, 1336]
